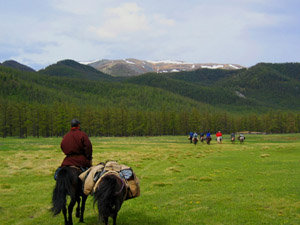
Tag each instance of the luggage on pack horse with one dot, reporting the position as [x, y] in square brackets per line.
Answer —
[93, 176]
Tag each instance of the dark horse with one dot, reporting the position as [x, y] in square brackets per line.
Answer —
[109, 195]
[195, 140]
[68, 183]
[201, 138]
[208, 139]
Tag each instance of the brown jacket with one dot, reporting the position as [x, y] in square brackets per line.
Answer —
[77, 148]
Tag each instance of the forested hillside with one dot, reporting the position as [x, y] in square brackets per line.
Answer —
[72, 69]
[16, 65]
[262, 98]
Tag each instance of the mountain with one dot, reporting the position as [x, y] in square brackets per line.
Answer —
[277, 85]
[134, 67]
[256, 89]
[72, 69]
[261, 87]
[264, 97]
[41, 88]
[17, 65]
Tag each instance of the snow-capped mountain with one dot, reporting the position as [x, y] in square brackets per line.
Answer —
[134, 67]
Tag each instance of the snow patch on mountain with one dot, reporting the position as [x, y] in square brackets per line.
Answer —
[88, 62]
[233, 66]
[167, 62]
[129, 62]
[213, 67]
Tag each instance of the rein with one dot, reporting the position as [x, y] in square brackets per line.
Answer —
[123, 184]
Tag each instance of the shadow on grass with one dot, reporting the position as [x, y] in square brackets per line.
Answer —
[132, 217]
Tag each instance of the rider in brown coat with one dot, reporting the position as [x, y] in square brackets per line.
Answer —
[77, 147]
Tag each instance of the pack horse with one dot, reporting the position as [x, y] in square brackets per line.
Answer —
[109, 196]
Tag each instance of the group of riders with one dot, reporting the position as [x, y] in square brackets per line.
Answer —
[193, 137]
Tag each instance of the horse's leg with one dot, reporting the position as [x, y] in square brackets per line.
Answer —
[105, 219]
[65, 214]
[78, 207]
[115, 219]
[84, 197]
[70, 210]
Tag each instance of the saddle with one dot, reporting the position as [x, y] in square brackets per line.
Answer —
[92, 177]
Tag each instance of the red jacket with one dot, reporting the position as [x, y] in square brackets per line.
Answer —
[78, 149]
[219, 134]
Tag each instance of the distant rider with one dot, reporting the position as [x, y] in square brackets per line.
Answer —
[191, 137]
[202, 136]
[232, 137]
[219, 134]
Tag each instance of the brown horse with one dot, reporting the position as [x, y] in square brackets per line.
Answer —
[232, 139]
[68, 183]
[109, 195]
[195, 140]
[208, 139]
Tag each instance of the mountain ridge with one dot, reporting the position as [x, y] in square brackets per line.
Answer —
[135, 67]
[16, 65]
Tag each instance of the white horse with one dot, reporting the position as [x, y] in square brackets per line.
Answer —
[241, 139]
[219, 139]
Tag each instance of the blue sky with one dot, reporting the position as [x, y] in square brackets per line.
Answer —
[39, 33]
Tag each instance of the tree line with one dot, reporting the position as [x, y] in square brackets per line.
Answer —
[41, 120]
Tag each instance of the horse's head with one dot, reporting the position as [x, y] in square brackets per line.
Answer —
[109, 195]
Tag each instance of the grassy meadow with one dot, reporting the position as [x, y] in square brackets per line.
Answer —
[256, 182]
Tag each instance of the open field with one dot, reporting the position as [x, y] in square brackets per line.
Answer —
[257, 182]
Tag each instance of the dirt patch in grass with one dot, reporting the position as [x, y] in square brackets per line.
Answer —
[162, 184]
[200, 155]
[5, 186]
[173, 169]
[264, 155]
[208, 179]
[192, 178]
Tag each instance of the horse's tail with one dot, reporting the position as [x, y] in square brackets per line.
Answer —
[62, 188]
[104, 195]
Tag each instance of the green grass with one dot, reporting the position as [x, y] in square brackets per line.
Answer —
[256, 182]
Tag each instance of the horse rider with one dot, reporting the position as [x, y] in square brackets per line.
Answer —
[191, 136]
[77, 147]
[202, 136]
[208, 137]
[232, 137]
[195, 135]
[241, 137]
[219, 134]
[195, 138]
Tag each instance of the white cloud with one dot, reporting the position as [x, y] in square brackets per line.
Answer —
[121, 21]
[232, 31]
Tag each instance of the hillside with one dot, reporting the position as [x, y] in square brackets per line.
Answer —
[262, 98]
[44, 89]
[274, 84]
[257, 89]
[16, 65]
[73, 69]
[261, 87]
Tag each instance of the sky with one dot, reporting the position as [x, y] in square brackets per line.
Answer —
[39, 33]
